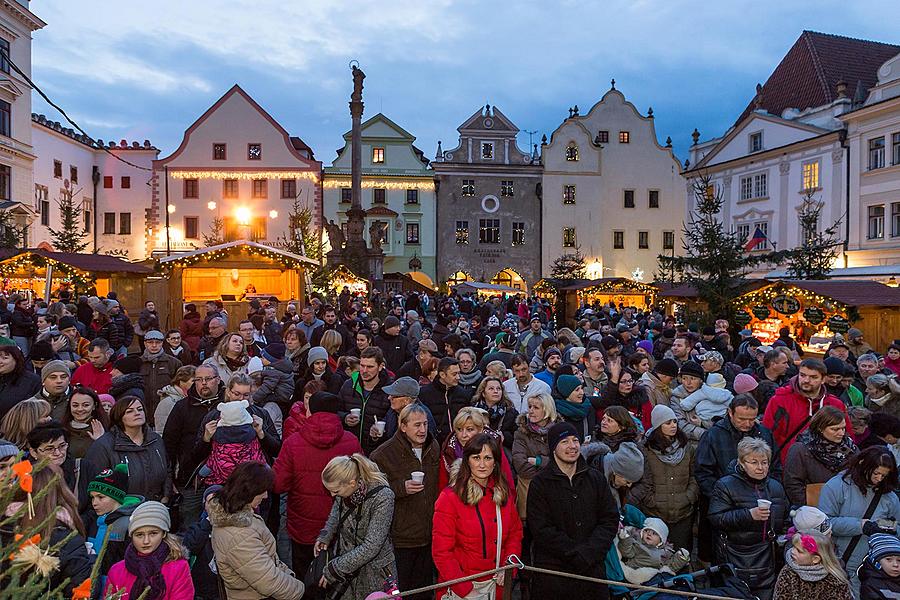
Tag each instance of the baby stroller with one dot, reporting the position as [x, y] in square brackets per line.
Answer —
[720, 580]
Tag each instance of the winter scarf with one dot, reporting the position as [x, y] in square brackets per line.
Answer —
[834, 456]
[495, 413]
[572, 411]
[147, 355]
[470, 379]
[614, 440]
[235, 363]
[148, 570]
[672, 455]
[537, 429]
[880, 401]
[811, 573]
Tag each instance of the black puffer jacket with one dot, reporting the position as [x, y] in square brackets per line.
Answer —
[444, 404]
[182, 429]
[373, 408]
[747, 544]
[15, 389]
[395, 349]
[148, 471]
[874, 584]
[717, 449]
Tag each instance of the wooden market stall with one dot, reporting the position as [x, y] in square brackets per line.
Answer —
[27, 272]
[486, 289]
[620, 290]
[234, 272]
[815, 310]
[343, 276]
[403, 282]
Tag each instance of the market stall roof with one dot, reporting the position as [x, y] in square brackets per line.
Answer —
[687, 290]
[849, 292]
[88, 263]
[408, 282]
[607, 281]
[246, 243]
[478, 286]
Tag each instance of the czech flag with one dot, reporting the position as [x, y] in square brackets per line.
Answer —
[758, 238]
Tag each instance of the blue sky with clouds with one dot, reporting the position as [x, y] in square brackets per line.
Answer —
[139, 70]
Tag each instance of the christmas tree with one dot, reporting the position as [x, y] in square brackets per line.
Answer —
[70, 237]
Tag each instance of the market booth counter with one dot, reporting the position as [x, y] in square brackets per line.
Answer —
[486, 289]
[815, 310]
[30, 272]
[234, 272]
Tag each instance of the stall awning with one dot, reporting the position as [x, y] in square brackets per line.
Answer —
[256, 247]
[619, 284]
[87, 263]
[687, 290]
[477, 286]
[849, 292]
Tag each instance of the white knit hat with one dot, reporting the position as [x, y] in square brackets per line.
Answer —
[657, 525]
[234, 413]
[809, 519]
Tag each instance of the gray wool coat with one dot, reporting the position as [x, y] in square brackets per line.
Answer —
[364, 544]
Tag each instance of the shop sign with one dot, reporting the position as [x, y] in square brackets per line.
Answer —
[838, 324]
[761, 312]
[786, 305]
[814, 315]
[742, 317]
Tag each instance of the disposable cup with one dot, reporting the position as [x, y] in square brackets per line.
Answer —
[764, 503]
[417, 476]
[355, 412]
[379, 427]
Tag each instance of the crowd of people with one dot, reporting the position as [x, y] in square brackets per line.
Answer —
[317, 450]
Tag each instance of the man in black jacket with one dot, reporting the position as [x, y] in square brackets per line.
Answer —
[573, 519]
[393, 344]
[180, 435]
[444, 397]
[363, 391]
[717, 449]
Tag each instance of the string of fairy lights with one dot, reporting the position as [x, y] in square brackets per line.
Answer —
[244, 175]
[12, 269]
[214, 255]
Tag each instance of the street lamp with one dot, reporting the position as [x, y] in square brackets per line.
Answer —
[171, 209]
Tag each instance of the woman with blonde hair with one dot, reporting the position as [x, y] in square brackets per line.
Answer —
[812, 570]
[491, 397]
[230, 356]
[22, 418]
[469, 422]
[357, 533]
[332, 341]
[496, 368]
[476, 525]
[531, 451]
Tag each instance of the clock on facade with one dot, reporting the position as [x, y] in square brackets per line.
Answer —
[488, 123]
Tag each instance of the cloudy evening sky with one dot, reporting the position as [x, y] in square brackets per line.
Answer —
[136, 70]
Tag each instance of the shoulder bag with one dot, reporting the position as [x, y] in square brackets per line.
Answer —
[870, 510]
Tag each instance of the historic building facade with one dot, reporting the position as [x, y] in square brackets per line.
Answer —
[807, 128]
[110, 193]
[17, 153]
[611, 190]
[237, 167]
[397, 190]
[488, 205]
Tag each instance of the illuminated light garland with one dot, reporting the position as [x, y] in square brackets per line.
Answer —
[67, 274]
[807, 298]
[187, 261]
[333, 184]
[244, 175]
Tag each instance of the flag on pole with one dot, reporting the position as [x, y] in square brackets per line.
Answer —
[758, 238]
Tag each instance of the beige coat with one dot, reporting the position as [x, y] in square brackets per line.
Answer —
[246, 557]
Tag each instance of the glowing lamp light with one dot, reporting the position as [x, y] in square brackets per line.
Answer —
[171, 209]
[235, 275]
[595, 270]
[243, 215]
[211, 205]
[273, 214]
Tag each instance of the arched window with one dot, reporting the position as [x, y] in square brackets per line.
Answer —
[458, 277]
[572, 152]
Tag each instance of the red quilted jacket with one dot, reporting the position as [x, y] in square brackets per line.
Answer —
[298, 471]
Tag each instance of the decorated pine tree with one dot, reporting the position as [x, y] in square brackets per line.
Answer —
[714, 260]
[569, 266]
[10, 235]
[305, 239]
[814, 257]
[216, 233]
[70, 237]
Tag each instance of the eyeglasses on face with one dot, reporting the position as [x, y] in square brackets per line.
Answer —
[205, 379]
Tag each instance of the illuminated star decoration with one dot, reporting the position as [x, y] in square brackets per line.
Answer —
[638, 274]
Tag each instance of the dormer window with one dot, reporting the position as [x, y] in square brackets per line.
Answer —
[756, 141]
[487, 150]
[572, 152]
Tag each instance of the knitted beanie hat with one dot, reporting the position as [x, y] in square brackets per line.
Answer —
[744, 383]
[715, 380]
[558, 432]
[666, 366]
[234, 413]
[809, 519]
[150, 514]
[566, 384]
[657, 525]
[661, 414]
[316, 353]
[882, 545]
[7, 449]
[112, 483]
[54, 366]
[627, 462]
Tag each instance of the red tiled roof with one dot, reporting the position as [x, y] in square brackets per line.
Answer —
[807, 76]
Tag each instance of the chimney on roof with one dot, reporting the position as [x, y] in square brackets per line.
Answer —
[758, 99]
[147, 144]
[669, 142]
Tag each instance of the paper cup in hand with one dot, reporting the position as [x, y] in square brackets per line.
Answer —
[379, 427]
[761, 503]
[417, 476]
[355, 412]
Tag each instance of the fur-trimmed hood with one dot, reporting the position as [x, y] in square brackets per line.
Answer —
[219, 518]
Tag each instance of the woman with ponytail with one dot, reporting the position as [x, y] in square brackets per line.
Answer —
[357, 533]
[476, 525]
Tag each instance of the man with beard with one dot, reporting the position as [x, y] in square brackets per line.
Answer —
[789, 411]
[552, 361]
[771, 375]
[680, 351]
[180, 434]
[572, 517]
[365, 391]
[523, 384]
[331, 322]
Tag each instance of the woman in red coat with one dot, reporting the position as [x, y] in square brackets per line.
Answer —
[191, 328]
[470, 516]
[469, 422]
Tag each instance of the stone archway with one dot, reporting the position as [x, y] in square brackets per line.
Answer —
[510, 278]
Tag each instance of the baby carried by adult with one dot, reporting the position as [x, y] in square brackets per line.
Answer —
[646, 551]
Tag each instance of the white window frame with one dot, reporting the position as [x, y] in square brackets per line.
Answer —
[753, 135]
